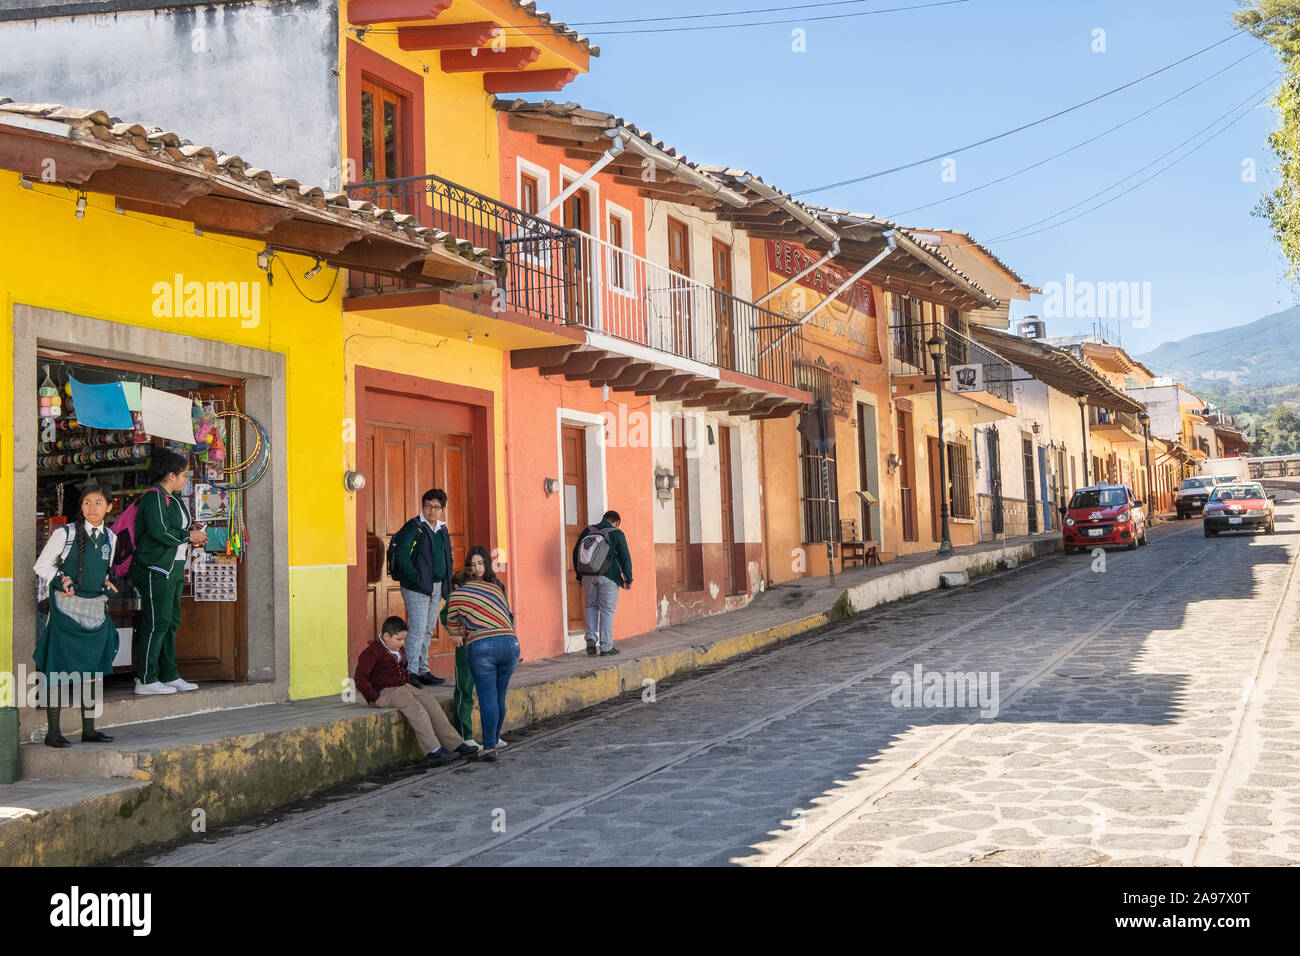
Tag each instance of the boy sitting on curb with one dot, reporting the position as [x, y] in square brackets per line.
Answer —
[382, 678]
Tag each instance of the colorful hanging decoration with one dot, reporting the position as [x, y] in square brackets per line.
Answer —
[49, 406]
[208, 445]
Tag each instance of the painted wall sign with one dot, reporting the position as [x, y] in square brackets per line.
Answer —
[849, 318]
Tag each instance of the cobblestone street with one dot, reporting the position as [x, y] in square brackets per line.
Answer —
[1144, 714]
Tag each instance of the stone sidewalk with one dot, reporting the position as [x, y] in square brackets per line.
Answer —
[82, 806]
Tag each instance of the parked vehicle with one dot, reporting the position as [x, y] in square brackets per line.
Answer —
[1191, 496]
[1240, 506]
[1103, 516]
[1235, 469]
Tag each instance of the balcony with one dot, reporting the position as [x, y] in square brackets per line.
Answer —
[1121, 429]
[911, 370]
[535, 252]
[646, 327]
[625, 296]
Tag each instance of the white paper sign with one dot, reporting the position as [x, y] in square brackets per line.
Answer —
[167, 415]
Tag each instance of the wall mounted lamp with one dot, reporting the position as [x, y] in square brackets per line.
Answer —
[550, 486]
[665, 484]
[892, 462]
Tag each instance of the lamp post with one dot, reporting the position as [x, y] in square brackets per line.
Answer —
[935, 345]
[1145, 421]
[1082, 398]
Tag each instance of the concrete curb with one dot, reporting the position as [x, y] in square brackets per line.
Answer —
[231, 779]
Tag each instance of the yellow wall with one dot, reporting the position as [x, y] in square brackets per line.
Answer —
[105, 266]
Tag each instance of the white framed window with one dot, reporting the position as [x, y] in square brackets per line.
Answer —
[620, 270]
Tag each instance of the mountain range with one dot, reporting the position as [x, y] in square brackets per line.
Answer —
[1265, 352]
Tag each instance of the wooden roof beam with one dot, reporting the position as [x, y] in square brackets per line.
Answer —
[455, 36]
[365, 12]
[482, 61]
[528, 81]
[542, 358]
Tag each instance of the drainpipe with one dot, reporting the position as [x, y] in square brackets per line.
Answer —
[891, 242]
[835, 250]
[679, 168]
[610, 155]
[512, 583]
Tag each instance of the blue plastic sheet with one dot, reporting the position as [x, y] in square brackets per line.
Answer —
[100, 406]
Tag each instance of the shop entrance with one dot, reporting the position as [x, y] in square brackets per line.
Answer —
[211, 643]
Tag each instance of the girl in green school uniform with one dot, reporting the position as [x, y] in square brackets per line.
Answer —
[79, 639]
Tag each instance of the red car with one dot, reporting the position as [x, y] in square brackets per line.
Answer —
[1240, 506]
[1103, 516]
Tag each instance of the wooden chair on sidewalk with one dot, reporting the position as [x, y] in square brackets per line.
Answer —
[853, 548]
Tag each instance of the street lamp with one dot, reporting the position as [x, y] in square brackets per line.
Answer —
[935, 345]
[1145, 420]
[1082, 398]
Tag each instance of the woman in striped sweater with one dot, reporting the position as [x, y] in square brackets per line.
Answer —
[479, 610]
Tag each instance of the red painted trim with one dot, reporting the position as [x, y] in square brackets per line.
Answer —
[362, 12]
[361, 62]
[529, 81]
[474, 304]
[786, 391]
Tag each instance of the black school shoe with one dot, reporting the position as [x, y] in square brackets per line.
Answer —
[428, 680]
[591, 648]
[442, 756]
[612, 650]
[466, 749]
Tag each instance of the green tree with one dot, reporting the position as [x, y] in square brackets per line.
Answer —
[1277, 22]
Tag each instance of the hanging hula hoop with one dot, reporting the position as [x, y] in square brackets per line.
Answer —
[261, 453]
[235, 418]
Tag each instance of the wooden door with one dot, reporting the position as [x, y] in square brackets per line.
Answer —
[573, 444]
[577, 215]
[936, 484]
[906, 476]
[727, 505]
[681, 508]
[866, 455]
[212, 640]
[679, 261]
[401, 462]
[724, 313]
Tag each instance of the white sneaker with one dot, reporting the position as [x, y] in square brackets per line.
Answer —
[181, 684]
[473, 743]
[501, 742]
[157, 687]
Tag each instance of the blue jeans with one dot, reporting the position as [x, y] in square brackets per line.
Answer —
[421, 618]
[602, 598]
[491, 662]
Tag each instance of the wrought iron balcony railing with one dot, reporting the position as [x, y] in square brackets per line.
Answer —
[910, 355]
[537, 253]
[574, 278]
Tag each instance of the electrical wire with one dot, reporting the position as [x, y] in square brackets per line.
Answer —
[1024, 126]
[1021, 232]
[530, 30]
[1078, 145]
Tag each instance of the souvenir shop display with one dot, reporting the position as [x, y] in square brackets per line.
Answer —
[215, 577]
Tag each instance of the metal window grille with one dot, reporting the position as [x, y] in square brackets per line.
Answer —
[961, 486]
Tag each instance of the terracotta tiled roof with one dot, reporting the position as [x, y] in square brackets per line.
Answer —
[557, 26]
[94, 129]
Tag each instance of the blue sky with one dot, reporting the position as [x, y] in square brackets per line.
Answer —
[874, 92]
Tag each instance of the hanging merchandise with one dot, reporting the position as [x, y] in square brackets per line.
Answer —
[208, 445]
[244, 472]
[49, 406]
[100, 406]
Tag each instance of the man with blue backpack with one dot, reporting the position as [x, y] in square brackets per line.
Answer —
[419, 559]
[603, 564]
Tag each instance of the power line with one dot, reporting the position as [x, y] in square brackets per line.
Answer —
[1021, 232]
[1078, 145]
[531, 29]
[1038, 122]
[705, 16]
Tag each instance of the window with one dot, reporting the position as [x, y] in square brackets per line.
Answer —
[385, 135]
[619, 232]
[960, 487]
[529, 192]
[819, 522]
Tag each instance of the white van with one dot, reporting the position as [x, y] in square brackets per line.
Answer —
[1225, 469]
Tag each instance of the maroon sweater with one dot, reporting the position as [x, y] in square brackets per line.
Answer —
[377, 669]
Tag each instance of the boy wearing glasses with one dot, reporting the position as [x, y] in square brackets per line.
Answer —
[422, 558]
